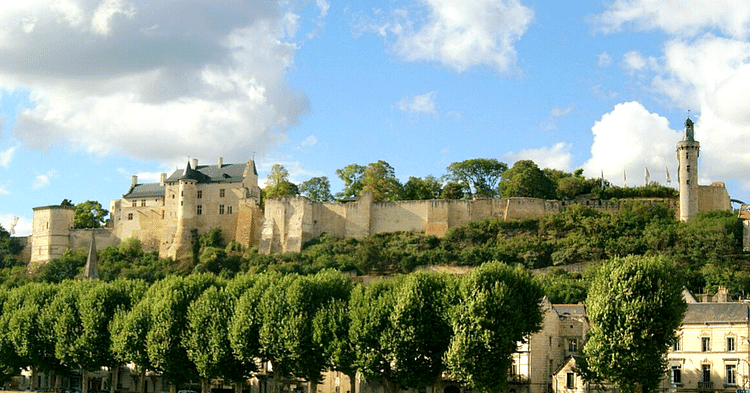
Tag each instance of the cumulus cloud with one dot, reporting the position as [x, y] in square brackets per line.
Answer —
[557, 156]
[604, 60]
[128, 76]
[455, 33]
[550, 123]
[6, 156]
[682, 18]
[42, 180]
[633, 61]
[420, 103]
[629, 139]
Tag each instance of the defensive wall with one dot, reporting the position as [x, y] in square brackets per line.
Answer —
[292, 221]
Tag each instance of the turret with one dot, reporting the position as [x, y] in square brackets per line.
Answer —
[687, 156]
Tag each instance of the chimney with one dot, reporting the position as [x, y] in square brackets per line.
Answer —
[133, 180]
[195, 163]
[221, 161]
[163, 179]
[722, 295]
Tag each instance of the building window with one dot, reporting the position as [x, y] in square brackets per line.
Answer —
[200, 194]
[221, 209]
[677, 346]
[143, 202]
[570, 381]
[221, 193]
[182, 203]
[182, 193]
[730, 344]
[130, 216]
[731, 374]
[705, 344]
[135, 203]
[676, 375]
[199, 209]
[706, 368]
[229, 209]
[573, 345]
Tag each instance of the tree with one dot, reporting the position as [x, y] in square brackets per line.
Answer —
[525, 179]
[129, 331]
[499, 308]
[9, 247]
[480, 174]
[331, 336]
[351, 175]
[89, 214]
[278, 184]
[635, 305]
[317, 189]
[380, 179]
[417, 188]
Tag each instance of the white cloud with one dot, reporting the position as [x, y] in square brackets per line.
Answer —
[604, 59]
[629, 139]
[310, 140]
[679, 18]
[421, 103]
[4, 189]
[558, 156]
[457, 34]
[127, 77]
[633, 61]
[550, 123]
[42, 180]
[7, 155]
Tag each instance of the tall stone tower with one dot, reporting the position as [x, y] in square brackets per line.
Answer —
[687, 156]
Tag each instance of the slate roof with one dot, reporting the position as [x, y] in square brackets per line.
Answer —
[701, 313]
[574, 310]
[227, 173]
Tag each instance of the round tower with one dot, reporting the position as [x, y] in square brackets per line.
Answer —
[687, 156]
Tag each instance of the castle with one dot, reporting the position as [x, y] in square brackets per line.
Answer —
[167, 216]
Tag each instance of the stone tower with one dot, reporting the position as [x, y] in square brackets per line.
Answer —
[687, 156]
[51, 229]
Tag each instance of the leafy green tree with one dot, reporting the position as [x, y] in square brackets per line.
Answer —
[278, 184]
[380, 179]
[317, 189]
[561, 287]
[331, 336]
[351, 175]
[453, 190]
[67, 203]
[499, 307]
[65, 268]
[480, 174]
[89, 214]
[129, 332]
[635, 305]
[417, 188]
[525, 179]
[165, 346]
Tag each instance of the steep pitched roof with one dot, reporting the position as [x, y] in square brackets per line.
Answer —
[91, 270]
[145, 190]
[573, 310]
[226, 173]
[701, 313]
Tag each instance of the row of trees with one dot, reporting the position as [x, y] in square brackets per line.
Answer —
[402, 332]
[485, 177]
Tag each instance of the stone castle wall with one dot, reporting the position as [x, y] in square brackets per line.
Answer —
[290, 222]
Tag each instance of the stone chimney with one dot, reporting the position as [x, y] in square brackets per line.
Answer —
[221, 161]
[133, 180]
[163, 179]
[722, 295]
[705, 298]
[195, 163]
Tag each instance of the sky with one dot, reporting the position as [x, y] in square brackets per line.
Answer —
[94, 91]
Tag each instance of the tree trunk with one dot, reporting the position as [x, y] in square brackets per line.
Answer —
[85, 382]
[114, 380]
[312, 386]
[142, 381]
[352, 382]
[173, 388]
[205, 385]
[238, 385]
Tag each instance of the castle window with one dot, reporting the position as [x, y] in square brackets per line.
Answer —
[182, 203]
[676, 375]
[143, 202]
[572, 345]
[687, 168]
[570, 381]
[221, 209]
[200, 194]
[199, 209]
[221, 193]
[730, 344]
[229, 209]
[130, 216]
[705, 344]
[731, 374]
[182, 193]
[135, 203]
[677, 345]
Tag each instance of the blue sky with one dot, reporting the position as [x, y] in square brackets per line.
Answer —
[95, 91]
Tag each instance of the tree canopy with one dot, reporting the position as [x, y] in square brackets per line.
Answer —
[480, 174]
[278, 184]
[89, 214]
[635, 306]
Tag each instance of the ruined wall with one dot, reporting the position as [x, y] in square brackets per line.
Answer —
[81, 238]
[290, 222]
[713, 197]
